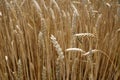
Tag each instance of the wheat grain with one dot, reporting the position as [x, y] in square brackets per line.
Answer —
[44, 73]
[41, 39]
[36, 5]
[75, 9]
[6, 58]
[57, 46]
[20, 70]
[64, 14]
[56, 5]
[43, 3]
[118, 30]
[91, 52]
[0, 13]
[74, 23]
[52, 14]
[75, 49]
[108, 5]
[43, 26]
[58, 69]
[84, 35]
[98, 20]
[22, 3]
[76, 2]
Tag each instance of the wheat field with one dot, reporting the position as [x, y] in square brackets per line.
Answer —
[59, 40]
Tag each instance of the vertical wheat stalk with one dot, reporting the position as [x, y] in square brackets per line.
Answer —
[118, 10]
[20, 70]
[57, 47]
[60, 57]
[44, 74]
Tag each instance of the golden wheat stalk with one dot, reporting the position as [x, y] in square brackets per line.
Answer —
[91, 52]
[76, 2]
[56, 5]
[84, 35]
[58, 69]
[52, 14]
[0, 13]
[75, 49]
[75, 9]
[98, 20]
[44, 73]
[118, 30]
[57, 46]
[20, 70]
[38, 8]
[43, 3]
[43, 26]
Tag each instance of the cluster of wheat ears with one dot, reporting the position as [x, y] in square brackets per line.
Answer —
[59, 40]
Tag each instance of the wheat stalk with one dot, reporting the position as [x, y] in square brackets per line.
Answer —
[75, 49]
[75, 9]
[52, 14]
[38, 8]
[20, 70]
[57, 46]
[56, 5]
[91, 52]
[84, 35]
[0, 13]
[44, 73]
